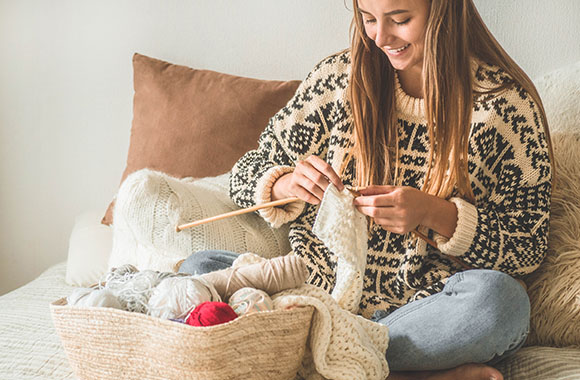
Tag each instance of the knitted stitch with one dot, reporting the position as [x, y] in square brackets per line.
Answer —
[506, 228]
[343, 229]
[341, 345]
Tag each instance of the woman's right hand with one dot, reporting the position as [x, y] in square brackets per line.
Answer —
[308, 181]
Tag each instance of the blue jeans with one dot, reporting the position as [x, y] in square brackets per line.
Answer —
[207, 261]
[481, 316]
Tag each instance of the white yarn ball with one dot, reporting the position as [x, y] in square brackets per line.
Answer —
[88, 297]
[135, 292]
[118, 277]
[77, 294]
[143, 281]
[250, 300]
[176, 297]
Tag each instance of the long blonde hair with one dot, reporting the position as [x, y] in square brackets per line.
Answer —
[455, 34]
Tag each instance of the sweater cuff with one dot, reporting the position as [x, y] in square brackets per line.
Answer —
[276, 216]
[464, 232]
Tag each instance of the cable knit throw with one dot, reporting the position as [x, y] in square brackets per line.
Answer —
[150, 204]
[343, 229]
[341, 345]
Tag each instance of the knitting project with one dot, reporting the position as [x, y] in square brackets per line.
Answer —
[151, 204]
[343, 229]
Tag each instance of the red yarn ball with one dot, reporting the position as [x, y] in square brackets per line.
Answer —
[211, 313]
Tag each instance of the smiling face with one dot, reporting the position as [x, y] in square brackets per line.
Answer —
[398, 28]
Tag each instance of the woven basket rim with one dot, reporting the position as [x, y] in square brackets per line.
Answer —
[61, 304]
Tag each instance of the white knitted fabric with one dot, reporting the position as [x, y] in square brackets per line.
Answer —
[343, 229]
[151, 204]
[341, 345]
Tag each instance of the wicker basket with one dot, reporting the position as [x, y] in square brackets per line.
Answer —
[106, 343]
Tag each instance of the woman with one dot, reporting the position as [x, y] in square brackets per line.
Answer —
[444, 133]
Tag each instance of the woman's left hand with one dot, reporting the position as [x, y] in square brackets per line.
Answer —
[399, 209]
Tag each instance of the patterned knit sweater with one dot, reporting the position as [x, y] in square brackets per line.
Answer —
[506, 228]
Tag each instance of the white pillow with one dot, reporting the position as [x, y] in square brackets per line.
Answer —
[560, 93]
[89, 249]
[149, 206]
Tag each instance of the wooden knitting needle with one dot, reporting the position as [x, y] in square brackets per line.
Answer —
[279, 202]
[284, 201]
[418, 234]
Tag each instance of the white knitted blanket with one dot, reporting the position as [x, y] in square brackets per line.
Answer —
[343, 229]
[341, 345]
[151, 204]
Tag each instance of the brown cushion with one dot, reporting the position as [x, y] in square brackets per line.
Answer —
[196, 123]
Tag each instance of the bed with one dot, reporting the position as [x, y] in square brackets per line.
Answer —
[29, 345]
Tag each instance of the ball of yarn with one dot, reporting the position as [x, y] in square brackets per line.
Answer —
[124, 269]
[89, 297]
[135, 292]
[175, 297]
[117, 277]
[250, 300]
[211, 313]
[77, 294]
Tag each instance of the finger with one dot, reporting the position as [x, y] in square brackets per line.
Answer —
[306, 195]
[386, 222]
[314, 175]
[313, 182]
[382, 200]
[327, 170]
[383, 213]
[377, 189]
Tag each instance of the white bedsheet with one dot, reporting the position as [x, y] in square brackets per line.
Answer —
[29, 345]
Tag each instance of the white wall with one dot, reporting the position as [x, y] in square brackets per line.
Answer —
[540, 35]
[66, 88]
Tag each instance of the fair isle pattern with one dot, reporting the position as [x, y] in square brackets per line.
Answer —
[509, 170]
